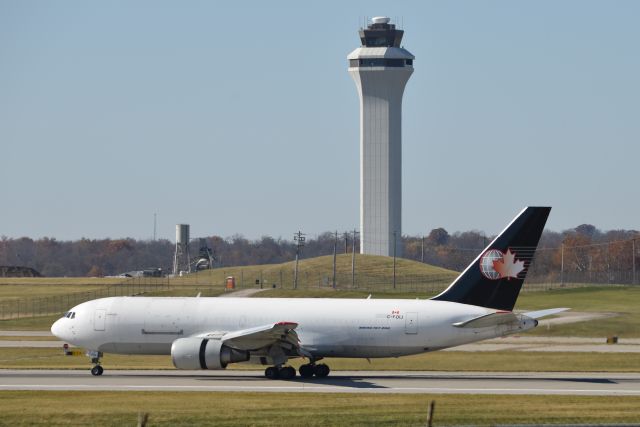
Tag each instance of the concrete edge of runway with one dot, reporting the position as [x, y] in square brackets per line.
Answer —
[522, 383]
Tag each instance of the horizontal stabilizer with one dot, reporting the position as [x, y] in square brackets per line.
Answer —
[543, 313]
[487, 320]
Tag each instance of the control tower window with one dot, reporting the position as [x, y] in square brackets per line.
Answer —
[377, 41]
[379, 62]
[381, 35]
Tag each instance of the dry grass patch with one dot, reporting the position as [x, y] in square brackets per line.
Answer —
[499, 361]
[270, 409]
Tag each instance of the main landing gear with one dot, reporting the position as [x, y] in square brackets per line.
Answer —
[285, 373]
[306, 371]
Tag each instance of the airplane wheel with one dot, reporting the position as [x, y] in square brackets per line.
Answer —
[287, 373]
[321, 370]
[97, 371]
[271, 372]
[306, 371]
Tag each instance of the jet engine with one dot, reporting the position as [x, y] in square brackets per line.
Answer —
[199, 353]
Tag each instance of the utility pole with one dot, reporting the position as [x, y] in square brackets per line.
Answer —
[155, 223]
[299, 239]
[353, 259]
[422, 250]
[562, 265]
[335, 247]
[394, 259]
[633, 259]
[346, 242]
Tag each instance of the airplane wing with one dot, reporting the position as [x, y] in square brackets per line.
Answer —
[260, 336]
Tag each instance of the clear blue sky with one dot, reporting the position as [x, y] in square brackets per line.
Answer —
[240, 117]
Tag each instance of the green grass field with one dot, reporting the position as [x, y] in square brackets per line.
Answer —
[313, 272]
[40, 323]
[21, 408]
[371, 272]
[333, 293]
[48, 288]
[622, 300]
[493, 361]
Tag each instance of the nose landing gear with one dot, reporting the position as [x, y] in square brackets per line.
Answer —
[95, 356]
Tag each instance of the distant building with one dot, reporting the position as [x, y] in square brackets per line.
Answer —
[149, 272]
[380, 69]
[16, 271]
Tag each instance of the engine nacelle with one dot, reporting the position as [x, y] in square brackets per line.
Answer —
[199, 353]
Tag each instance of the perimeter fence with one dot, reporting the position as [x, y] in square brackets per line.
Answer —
[19, 308]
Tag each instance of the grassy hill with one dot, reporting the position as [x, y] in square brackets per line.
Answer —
[33, 296]
[371, 272]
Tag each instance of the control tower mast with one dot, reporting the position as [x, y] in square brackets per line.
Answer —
[380, 69]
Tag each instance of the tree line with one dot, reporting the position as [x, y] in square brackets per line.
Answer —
[584, 253]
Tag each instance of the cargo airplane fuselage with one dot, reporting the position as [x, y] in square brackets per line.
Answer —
[210, 333]
[327, 327]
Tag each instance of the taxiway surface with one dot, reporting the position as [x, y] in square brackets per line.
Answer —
[579, 384]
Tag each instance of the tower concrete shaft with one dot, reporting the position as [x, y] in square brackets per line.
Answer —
[380, 69]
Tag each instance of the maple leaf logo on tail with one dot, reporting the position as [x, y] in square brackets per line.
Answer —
[508, 266]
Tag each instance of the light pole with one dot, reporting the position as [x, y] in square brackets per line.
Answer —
[335, 247]
[562, 265]
[299, 239]
[394, 259]
[353, 259]
[633, 259]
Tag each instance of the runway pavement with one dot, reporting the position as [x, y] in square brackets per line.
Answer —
[578, 384]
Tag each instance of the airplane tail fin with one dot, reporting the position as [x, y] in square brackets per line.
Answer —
[495, 277]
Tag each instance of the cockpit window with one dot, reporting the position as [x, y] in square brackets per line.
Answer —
[69, 314]
[73, 314]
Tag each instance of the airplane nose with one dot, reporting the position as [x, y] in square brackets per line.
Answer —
[56, 329]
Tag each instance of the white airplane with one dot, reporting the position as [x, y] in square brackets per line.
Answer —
[210, 333]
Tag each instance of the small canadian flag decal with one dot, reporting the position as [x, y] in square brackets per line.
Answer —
[508, 266]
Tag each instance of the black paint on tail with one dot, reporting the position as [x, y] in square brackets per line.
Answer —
[495, 277]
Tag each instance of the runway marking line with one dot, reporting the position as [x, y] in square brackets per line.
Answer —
[315, 388]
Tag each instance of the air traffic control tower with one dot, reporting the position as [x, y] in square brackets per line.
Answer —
[381, 69]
